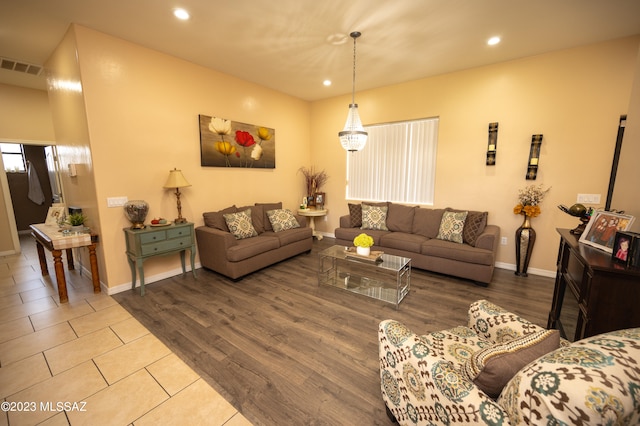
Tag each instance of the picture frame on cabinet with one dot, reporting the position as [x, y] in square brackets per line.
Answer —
[601, 230]
[54, 215]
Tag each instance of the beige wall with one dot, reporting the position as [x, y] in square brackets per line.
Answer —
[25, 117]
[573, 97]
[625, 196]
[73, 138]
[142, 111]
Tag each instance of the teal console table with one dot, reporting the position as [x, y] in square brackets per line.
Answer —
[152, 241]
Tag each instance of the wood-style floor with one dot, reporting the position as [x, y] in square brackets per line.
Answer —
[284, 351]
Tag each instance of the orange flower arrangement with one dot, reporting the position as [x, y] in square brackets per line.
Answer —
[529, 198]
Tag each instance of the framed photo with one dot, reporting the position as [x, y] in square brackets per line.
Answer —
[319, 200]
[622, 247]
[54, 214]
[601, 230]
[634, 254]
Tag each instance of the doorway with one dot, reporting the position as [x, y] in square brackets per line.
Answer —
[30, 185]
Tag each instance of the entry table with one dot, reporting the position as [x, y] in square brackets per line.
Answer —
[151, 241]
[51, 238]
[312, 214]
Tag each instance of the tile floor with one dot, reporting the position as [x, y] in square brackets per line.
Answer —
[88, 361]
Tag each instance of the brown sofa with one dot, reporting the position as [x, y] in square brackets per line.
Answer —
[222, 252]
[413, 232]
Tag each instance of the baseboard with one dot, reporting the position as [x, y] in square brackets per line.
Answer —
[532, 271]
[149, 279]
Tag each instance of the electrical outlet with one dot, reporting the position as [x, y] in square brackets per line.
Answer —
[503, 241]
[116, 201]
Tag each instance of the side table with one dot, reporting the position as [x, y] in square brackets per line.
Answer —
[152, 241]
[50, 237]
[312, 214]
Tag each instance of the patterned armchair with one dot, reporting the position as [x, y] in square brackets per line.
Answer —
[503, 370]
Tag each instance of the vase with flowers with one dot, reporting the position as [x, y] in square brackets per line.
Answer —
[314, 180]
[363, 243]
[528, 206]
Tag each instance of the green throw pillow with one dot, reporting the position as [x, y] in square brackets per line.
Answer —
[374, 217]
[281, 220]
[240, 225]
[451, 226]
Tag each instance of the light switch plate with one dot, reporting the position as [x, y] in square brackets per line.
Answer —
[116, 201]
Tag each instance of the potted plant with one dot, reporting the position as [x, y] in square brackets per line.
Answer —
[77, 220]
[363, 243]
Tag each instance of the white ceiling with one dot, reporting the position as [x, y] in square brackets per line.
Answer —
[283, 44]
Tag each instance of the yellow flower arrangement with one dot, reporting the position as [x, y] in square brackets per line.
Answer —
[363, 240]
[529, 198]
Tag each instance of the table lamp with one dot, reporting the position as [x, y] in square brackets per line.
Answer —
[176, 180]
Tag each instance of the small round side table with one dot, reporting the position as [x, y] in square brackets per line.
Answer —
[312, 214]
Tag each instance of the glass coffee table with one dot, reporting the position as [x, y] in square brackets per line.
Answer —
[388, 279]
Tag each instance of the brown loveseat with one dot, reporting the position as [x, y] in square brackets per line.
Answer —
[465, 248]
[234, 257]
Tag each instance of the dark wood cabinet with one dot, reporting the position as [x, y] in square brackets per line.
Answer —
[592, 293]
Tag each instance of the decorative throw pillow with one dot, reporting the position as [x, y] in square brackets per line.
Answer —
[266, 207]
[355, 213]
[374, 217]
[281, 220]
[240, 225]
[473, 226]
[451, 226]
[492, 367]
[216, 219]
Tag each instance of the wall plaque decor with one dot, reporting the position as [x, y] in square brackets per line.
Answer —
[534, 157]
[492, 145]
[226, 143]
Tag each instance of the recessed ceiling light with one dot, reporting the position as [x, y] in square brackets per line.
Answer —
[181, 14]
[327, 82]
[493, 41]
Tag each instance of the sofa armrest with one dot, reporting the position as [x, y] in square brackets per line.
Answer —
[489, 238]
[345, 221]
[497, 324]
[214, 243]
[420, 379]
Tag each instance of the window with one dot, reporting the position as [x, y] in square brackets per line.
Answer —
[12, 157]
[397, 164]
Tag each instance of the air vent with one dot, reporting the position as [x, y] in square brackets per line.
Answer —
[20, 66]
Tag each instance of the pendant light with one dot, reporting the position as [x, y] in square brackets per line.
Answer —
[353, 137]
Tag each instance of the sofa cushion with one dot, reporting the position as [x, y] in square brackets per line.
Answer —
[349, 234]
[290, 235]
[240, 224]
[265, 208]
[426, 222]
[355, 213]
[374, 217]
[455, 251]
[473, 226]
[400, 218]
[451, 226]
[492, 367]
[282, 219]
[250, 247]
[402, 241]
[216, 219]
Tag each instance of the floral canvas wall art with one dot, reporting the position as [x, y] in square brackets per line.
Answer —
[226, 143]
